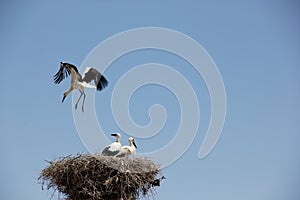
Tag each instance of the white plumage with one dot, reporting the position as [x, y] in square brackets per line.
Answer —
[127, 150]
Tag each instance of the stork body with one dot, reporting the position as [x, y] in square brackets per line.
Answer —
[80, 82]
[127, 150]
[114, 148]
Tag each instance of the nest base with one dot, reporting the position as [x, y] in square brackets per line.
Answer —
[100, 177]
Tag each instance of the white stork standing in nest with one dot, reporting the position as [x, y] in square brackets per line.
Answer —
[127, 150]
[80, 82]
[114, 148]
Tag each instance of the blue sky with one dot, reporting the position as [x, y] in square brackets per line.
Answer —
[255, 45]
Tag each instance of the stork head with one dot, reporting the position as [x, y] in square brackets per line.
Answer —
[131, 141]
[117, 135]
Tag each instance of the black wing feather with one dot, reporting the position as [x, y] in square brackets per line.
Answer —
[63, 72]
[107, 152]
[99, 80]
[102, 83]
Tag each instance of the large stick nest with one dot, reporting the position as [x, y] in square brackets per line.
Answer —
[87, 177]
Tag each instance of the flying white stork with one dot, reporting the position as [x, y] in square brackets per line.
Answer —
[127, 150]
[114, 148]
[80, 82]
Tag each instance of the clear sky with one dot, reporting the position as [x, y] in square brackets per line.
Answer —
[255, 45]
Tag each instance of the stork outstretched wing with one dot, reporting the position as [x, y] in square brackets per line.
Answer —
[64, 71]
[92, 74]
